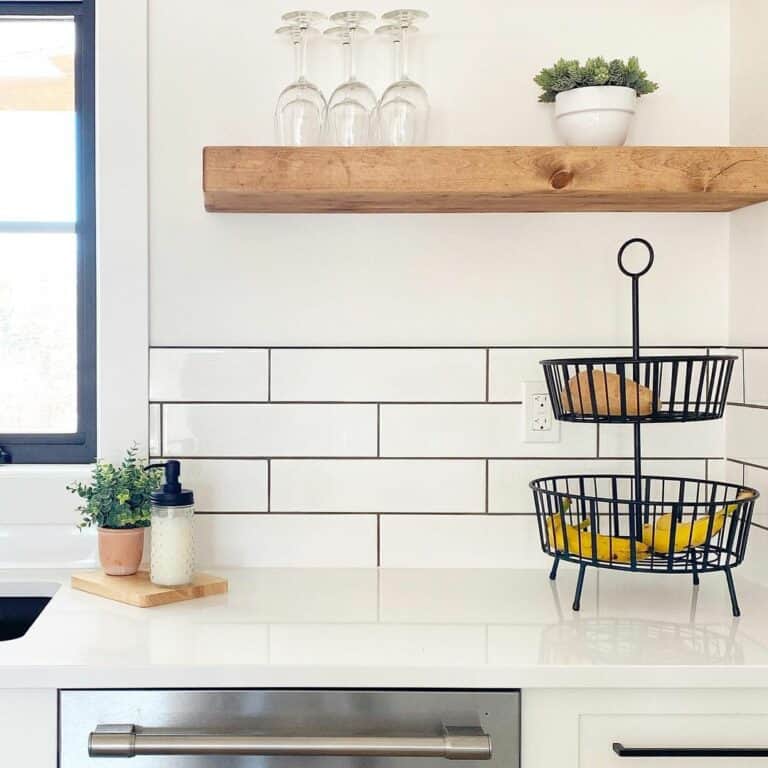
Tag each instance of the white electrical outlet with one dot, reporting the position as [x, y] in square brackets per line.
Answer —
[539, 423]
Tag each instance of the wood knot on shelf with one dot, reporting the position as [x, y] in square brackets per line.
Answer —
[560, 179]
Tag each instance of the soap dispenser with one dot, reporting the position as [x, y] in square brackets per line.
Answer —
[172, 552]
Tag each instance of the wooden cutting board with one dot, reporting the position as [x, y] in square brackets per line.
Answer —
[140, 591]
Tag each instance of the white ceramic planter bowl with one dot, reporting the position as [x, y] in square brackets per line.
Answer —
[598, 116]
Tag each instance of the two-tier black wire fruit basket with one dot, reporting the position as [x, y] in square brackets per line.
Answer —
[637, 522]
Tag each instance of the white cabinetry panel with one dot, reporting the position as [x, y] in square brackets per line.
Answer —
[28, 721]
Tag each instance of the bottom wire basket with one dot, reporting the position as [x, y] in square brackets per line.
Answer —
[673, 525]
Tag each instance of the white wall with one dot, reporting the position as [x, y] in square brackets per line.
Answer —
[394, 456]
[747, 417]
[429, 472]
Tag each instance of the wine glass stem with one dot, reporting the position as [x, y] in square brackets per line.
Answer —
[403, 53]
[348, 52]
[300, 57]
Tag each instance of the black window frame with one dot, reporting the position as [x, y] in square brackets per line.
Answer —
[78, 447]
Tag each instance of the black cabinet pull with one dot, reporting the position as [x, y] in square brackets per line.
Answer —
[623, 751]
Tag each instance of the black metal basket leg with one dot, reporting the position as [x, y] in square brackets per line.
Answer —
[732, 593]
[553, 571]
[579, 587]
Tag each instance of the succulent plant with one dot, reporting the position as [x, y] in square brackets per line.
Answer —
[567, 74]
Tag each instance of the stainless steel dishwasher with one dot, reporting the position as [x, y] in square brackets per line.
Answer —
[288, 728]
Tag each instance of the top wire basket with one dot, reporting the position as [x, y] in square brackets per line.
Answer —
[648, 389]
[636, 389]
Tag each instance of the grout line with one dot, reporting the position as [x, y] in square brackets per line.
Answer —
[452, 458]
[403, 347]
[487, 375]
[378, 541]
[162, 439]
[748, 464]
[269, 485]
[487, 492]
[378, 430]
[706, 474]
[357, 513]
[269, 375]
[753, 406]
[335, 402]
[597, 441]
[744, 375]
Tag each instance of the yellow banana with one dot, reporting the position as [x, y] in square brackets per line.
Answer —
[692, 534]
[609, 548]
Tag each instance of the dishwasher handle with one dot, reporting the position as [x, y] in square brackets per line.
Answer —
[130, 740]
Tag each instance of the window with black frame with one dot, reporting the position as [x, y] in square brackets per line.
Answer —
[47, 233]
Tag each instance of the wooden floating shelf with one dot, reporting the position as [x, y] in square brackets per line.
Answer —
[482, 179]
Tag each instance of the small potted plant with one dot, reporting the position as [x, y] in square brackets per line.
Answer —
[594, 103]
[117, 502]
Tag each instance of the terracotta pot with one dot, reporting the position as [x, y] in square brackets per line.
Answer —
[120, 550]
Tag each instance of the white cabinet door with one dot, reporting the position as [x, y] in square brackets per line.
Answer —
[28, 721]
[576, 728]
[661, 732]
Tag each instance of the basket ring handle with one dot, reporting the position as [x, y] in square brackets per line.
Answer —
[634, 240]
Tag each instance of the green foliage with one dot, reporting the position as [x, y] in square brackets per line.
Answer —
[567, 74]
[117, 497]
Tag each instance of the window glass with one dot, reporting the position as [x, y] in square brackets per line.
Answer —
[38, 328]
[37, 120]
[38, 244]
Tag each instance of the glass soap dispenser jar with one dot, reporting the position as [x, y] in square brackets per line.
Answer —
[172, 551]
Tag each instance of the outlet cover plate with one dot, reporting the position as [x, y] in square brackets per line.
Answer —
[539, 423]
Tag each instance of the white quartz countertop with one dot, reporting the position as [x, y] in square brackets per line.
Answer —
[400, 628]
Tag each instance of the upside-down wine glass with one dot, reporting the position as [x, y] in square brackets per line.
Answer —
[350, 118]
[301, 106]
[403, 112]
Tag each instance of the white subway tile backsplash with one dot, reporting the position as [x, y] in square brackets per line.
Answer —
[461, 541]
[415, 375]
[736, 388]
[270, 430]
[756, 376]
[757, 478]
[509, 368]
[377, 486]
[724, 471]
[155, 431]
[208, 374]
[221, 485]
[703, 439]
[428, 459]
[508, 479]
[472, 431]
[747, 430]
[303, 541]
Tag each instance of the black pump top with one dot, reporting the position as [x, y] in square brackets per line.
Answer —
[171, 494]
